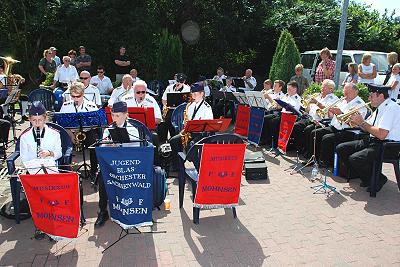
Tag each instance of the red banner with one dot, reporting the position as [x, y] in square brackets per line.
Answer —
[286, 128]
[220, 175]
[242, 120]
[54, 202]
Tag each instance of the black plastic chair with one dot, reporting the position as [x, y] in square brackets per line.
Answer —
[144, 132]
[15, 184]
[5, 126]
[377, 166]
[43, 95]
[177, 118]
[194, 156]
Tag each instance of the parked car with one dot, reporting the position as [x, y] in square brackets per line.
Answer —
[311, 59]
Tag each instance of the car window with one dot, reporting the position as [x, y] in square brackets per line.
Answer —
[307, 60]
[345, 61]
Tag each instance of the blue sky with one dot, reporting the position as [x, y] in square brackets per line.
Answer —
[380, 5]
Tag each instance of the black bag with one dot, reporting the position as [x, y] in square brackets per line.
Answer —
[8, 210]
[255, 166]
[159, 186]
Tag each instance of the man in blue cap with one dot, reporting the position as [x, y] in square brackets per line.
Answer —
[119, 114]
[39, 141]
[383, 124]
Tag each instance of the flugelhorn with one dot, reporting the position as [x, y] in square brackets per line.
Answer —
[306, 101]
[322, 112]
[346, 117]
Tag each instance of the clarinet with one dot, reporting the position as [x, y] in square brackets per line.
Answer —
[37, 141]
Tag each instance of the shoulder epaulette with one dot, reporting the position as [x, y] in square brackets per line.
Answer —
[148, 100]
[68, 103]
[54, 129]
[91, 105]
[128, 97]
[207, 105]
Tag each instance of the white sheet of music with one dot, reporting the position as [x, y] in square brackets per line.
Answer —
[35, 166]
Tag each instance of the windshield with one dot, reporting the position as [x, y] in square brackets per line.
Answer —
[378, 59]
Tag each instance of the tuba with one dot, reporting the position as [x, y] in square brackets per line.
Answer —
[12, 80]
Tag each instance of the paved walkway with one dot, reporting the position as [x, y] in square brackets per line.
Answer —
[280, 223]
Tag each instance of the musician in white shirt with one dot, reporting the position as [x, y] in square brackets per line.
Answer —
[250, 82]
[125, 88]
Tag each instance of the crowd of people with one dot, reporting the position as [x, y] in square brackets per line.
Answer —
[319, 131]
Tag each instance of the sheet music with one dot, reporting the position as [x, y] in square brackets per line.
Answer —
[256, 99]
[241, 97]
[34, 166]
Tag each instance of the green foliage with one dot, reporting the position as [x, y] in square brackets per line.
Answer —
[169, 56]
[312, 89]
[286, 57]
[49, 79]
[116, 84]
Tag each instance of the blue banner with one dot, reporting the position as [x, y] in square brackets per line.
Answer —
[127, 173]
[255, 125]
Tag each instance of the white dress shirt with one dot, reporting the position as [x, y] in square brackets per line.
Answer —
[118, 93]
[204, 111]
[102, 84]
[387, 118]
[326, 101]
[345, 107]
[148, 101]
[66, 74]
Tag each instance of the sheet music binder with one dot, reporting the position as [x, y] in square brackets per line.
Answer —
[175, 99]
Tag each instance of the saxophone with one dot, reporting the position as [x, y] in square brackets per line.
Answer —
[185, 137]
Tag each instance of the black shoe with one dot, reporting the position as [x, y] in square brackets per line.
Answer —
[25, 118]
[364, 184]
[382, 181]
[39, 235]
[101, 219]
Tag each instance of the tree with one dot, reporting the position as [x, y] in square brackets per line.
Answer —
[286, 57]
[169, 56]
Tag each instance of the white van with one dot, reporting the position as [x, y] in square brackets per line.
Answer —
[311, 59]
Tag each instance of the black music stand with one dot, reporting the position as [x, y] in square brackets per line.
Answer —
[12, 99]
[175, 99]
[226, 97]
[238, 83]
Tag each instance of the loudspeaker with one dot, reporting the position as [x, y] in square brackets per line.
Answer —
[255, 166]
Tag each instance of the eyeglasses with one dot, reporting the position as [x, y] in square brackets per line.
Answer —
[83, 78]
[140, 92]
[76, 96]
[100, 72]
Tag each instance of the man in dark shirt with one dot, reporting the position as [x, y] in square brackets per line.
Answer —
[83, 61]
[122, 64]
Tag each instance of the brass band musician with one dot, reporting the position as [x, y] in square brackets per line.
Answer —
[383, 124]
[125, 88]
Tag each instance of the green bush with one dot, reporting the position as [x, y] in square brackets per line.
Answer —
[169, 56]
[49, 79]
[286, 57]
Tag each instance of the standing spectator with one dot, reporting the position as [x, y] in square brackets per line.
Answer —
[326, 68]
[302, 81]
[122, 64]
[352, 75]
[220, 74]
[46, 64]
[54, 55]
[84, 61]
[72, 55]
[249, 81]
[394, 82]
[65, 74]
[366, 70]
[133, 73]
[392, 59]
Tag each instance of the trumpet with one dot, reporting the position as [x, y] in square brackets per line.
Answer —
[323, 112]
[346, 117]
[306, 101]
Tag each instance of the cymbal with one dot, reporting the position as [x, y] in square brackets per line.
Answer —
[10, 59]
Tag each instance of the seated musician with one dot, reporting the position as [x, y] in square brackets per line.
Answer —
[267, 85]
[119, 114]
[178, 87]
[220, 75]
[275, 92]
[140, 98]
[218, 109]
[272, 121]
[91, 92]
[80, 104]
[326, 137]
[198, 109]
[125, 88]
[39, 141]
[382, 125]
[250, 82]
[304, 126]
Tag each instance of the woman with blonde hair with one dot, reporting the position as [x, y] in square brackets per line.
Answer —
[352, 75]
[366, 70]
[392, 59]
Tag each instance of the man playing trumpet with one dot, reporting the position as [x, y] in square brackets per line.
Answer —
[326, 137]
[383, 124]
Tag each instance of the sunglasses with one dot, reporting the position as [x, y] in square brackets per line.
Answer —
[83, 78]
[140, 92]
[100, 72]
[76, 96]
